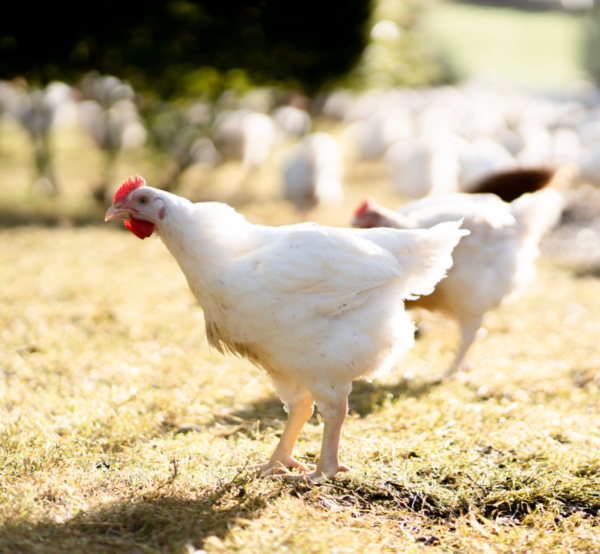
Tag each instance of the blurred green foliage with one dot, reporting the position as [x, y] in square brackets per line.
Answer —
[187, 46]
[592, 43]
[400, 51]
[541, 50]
[202, 47]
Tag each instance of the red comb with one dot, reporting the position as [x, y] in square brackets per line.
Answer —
[131, 184]
[361, 210]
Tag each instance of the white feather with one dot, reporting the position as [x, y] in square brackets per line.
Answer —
[494, 262]
[317, 304]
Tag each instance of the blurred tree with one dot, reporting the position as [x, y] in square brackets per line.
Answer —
[185, 46]
[400, 52]
[591, 33]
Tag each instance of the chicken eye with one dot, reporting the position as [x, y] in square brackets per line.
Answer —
[143, 200]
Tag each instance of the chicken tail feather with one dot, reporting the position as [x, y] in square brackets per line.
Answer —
[538, 212]
[427, 258]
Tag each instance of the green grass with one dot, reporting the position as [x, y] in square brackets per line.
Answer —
[532, 49]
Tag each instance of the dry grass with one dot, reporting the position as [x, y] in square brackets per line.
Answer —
[104, 359]
[122, 432]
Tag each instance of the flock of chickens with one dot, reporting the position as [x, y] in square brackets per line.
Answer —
[484, 173]
[319, 307]
[433, 141]
[430, 142]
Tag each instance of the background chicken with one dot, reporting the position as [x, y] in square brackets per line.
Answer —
[316, 307]
[312, 172]
[494, 262]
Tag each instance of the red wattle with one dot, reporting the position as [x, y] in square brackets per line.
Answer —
[139, 227]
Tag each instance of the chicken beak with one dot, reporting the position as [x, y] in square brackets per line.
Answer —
[116, 213]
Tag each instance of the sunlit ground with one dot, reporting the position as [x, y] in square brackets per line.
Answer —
[122, 432]
[104, 358]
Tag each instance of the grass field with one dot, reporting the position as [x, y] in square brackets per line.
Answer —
[531, 49]
[122, 432]
[104, 359]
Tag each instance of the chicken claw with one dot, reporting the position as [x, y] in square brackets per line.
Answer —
[277, 467]
[314, 478]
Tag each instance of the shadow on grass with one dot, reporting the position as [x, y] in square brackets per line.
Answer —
[364, 399]
[269, 413]
[155, 522]
[448, 497]
[591, 270]
[269, 407]
[168, 522]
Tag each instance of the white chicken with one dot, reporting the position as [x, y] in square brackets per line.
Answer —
[425, 166]
[315, 307]
[294, 122]
[312, 172]
[245, 135]
[494, 262]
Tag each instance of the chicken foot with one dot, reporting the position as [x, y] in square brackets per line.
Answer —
[300, 407]
[328, 465]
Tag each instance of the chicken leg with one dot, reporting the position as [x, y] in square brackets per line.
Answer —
[468, 330]
[334, 415]
[299, 403]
